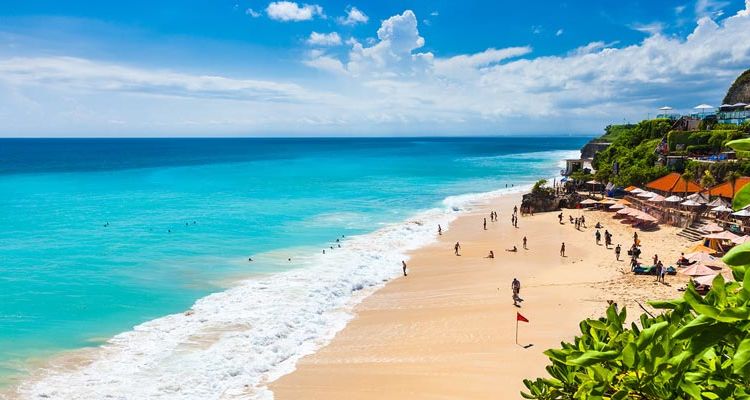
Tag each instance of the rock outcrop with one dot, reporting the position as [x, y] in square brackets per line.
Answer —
[739, 92]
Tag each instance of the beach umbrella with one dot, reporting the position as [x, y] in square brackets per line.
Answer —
[607, 201]
[747, 107]
[625, 211]
[708, 279]
[656, 198]
[666, 108]
[740, 104]
[741, 239]
[646, 195]
[700, 270]
[704, 258]
[636, 191]
[645, 217]
[724, 235]
[717, 202]
[703, 108]
[616, 207]
[690, 203]
[699, 248]
[698, 198]
[673, 199]
[712, 227]
[742, 213]
[588, 202]
[721, 209]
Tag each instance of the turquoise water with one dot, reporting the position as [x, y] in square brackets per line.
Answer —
[97, 236]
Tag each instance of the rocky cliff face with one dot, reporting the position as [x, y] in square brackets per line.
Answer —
[739, 92]
[592, 147]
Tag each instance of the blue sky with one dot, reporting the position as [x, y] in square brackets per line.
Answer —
[82, 68]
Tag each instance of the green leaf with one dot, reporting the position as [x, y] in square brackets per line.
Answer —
[691, 389]
[742, 358]
[734, 314]
[695, 326]
[739, 255]
[648, 334]
[629, 354]
[666, 304]
[696, 302]
[591, 357]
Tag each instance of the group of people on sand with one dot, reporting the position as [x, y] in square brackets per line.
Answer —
[607, 239]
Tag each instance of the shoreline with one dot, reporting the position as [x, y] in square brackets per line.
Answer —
[446, 330]
[75, 360]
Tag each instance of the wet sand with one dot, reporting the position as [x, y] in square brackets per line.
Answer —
[447, 330]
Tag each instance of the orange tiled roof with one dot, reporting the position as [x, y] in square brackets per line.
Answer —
[725, 189]
[673, 183]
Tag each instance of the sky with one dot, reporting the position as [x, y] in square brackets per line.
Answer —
[359, 68]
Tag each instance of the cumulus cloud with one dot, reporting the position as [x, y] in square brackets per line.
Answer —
[353, 17]
[290, 11]
[324, 39]
[392, 85]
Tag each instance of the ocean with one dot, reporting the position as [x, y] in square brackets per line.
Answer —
[111, 241]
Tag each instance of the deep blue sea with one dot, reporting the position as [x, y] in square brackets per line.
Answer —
[98, 236]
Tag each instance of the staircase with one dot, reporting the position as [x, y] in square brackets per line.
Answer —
[693, 232]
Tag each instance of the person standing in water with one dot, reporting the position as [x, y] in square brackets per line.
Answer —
[440, 230]
[484, 225]
[403, 266]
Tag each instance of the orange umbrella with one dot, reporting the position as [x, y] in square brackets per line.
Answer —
[700, 248]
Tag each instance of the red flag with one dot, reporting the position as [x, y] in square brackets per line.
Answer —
[520, 317]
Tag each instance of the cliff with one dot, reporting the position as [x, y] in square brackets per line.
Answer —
[739, 92]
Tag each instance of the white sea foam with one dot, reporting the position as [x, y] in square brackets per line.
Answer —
[233, 342]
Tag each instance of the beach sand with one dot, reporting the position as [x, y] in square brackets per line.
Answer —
[447, 330]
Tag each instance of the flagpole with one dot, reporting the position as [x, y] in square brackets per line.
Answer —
[516, 329]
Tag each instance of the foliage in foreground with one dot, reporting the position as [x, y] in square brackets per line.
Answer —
[699, 348]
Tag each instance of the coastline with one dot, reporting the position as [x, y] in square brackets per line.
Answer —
[447, 329]
[47, 375]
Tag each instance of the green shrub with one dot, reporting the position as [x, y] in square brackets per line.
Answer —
[699, 348]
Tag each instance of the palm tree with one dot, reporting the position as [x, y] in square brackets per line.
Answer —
[732, 178]
[687, 176]
[707, 181]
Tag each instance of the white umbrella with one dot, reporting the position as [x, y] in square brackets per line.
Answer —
[739, 104]
[712, 227]
[698, 198]
[741, 239]
[656, 198]
[673, 199]
[709, 279]
[748, 107]
[617, 207]
[703, 107]
[637, 191]
[690, 203]
[589, 201]
[717, 202]
[725, 105]
[721, 209]
[666, 108]
[742, 213]
[646, 195]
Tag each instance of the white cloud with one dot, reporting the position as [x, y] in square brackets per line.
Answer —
[536, 29]
[434, 13]
[653, 28]
[559, 32]
[679, 9]
[354, 16]
[324, 39]
[389, 86]
[252, 13]
[710, 8]
[291, 11]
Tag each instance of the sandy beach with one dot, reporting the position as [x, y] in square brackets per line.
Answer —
[447, 330]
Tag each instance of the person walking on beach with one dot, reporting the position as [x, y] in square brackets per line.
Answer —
[403, 266]
[440, 230]
[560, 217]
[659, 268]
[484, 225]
[515, 286]
[583, 221]
[456, 248]
[598, 236]
[524, 243]
[562, 249]
[617, 252]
